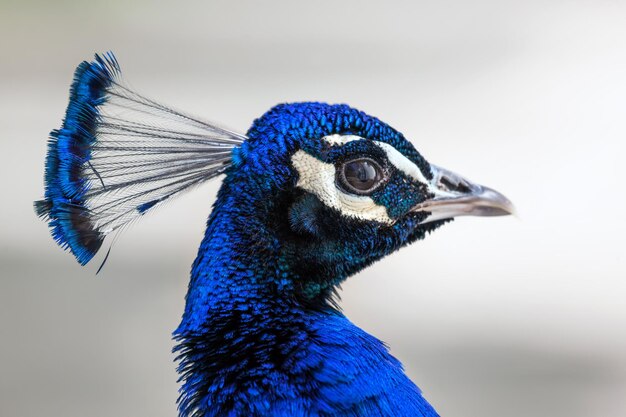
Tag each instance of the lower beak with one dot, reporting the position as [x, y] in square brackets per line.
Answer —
[455, 196]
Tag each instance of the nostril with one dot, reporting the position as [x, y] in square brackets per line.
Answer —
[459, 187]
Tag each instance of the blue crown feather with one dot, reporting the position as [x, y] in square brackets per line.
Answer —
[118, 155]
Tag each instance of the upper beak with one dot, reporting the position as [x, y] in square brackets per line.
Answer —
[455, 196]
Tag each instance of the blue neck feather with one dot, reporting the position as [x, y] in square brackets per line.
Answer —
[255, 340]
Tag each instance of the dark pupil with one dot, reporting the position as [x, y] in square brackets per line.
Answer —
[362, 174]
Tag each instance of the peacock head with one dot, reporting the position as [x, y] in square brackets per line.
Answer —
[327, 188]
[342, 189]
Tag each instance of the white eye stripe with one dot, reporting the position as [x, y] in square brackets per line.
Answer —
[394, 156]
[340, 139]
[318, 178]
[401, 162]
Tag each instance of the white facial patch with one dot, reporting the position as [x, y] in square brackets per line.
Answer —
[318, 178]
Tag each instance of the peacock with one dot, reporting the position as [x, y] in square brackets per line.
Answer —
[312, 194]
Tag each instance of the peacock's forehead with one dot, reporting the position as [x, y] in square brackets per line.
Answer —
[313, 126]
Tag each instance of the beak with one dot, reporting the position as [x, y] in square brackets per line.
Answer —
[455, 196]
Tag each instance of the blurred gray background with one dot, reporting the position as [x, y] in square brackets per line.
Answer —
[492, 317]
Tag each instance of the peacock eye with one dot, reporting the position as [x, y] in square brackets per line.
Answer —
[361, 176]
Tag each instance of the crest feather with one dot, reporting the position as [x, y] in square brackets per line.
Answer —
[118, 155]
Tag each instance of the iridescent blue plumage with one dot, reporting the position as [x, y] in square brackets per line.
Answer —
[312, 194]
[68, 149]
